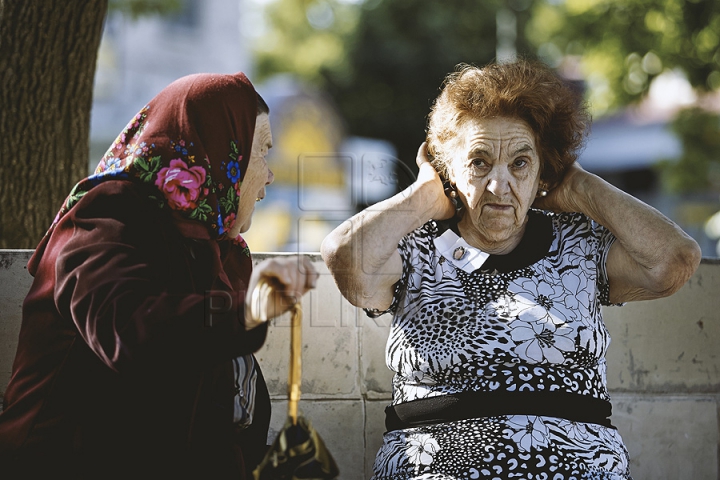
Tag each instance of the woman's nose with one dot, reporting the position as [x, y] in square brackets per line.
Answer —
[271, 177]
[498, 182]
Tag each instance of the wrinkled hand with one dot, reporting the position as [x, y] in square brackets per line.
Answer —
[566, 195]
[429, 178]
[289, 279]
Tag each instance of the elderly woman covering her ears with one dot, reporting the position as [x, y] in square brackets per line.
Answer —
[497, 342]
[135, 351]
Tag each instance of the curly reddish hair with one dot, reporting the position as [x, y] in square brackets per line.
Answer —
[525, 90]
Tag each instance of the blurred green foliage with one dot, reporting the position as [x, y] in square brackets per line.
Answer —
[623, 44]
[306, 37]
[137, 8]
[698, 168]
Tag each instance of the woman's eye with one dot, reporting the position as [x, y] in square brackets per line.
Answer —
[479, 163]
[520, 162]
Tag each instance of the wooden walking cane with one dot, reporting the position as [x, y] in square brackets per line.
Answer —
[298, 452]
[295, 375]
[258, 309]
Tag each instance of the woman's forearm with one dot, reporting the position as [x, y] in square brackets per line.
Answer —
[362, 253]
[652, 257]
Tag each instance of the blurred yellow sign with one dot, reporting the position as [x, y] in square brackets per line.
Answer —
[307, 136]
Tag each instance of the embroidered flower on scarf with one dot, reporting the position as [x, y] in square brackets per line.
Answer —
[233, 170]
[229, 201]
[240, 241]
[180, 147]
[421, 450]
[183, 187]
[220, 227]
[229, 222]
[527, 432]
[132, 130]
[111, 164]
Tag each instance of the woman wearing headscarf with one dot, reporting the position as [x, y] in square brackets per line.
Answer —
[497, 341]
[135, 350]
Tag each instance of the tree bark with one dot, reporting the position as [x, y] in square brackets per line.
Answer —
[48, 52]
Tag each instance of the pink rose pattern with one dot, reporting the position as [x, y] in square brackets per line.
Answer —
[183, 186]
[184, 183]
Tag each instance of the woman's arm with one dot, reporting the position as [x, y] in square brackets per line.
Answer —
[362, 253]
[652, 257]
[133, 296]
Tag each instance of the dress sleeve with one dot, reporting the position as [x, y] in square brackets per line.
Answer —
[406, 247]
[605, 240]
[125, 283]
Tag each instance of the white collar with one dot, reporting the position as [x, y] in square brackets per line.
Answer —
[458, 252]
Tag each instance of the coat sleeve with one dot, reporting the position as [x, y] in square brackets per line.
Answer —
[122, 279]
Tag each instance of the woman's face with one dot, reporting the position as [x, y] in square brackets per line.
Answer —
[496, 170]
[258, 175]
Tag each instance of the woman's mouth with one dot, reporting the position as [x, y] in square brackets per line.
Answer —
[498, 206]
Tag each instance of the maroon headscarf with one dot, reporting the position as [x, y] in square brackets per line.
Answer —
[190, 145]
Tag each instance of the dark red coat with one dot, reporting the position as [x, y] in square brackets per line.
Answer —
[123, 368]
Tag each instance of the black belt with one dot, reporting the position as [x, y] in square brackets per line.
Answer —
[465, 405]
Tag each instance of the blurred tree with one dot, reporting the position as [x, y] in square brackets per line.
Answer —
[48, 52]
[305, 37]
[698, 168]
[623, 45]
[383, 61]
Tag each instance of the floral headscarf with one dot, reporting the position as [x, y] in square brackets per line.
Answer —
[190, 145]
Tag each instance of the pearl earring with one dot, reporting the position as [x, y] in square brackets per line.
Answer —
[542, 192]
[453, 196]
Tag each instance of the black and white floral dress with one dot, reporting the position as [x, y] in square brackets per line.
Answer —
[526, 321]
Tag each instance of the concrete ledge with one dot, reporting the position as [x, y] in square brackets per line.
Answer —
[663, 372]
[671, 344]
[15, 283]
[669, 436]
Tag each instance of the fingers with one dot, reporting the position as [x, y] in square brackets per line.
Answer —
[296, 273]
[422, 155]
[426, 171]
[311, 274]
[291, 278]
[277, 284]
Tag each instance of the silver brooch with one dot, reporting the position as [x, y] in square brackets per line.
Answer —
[459, 253]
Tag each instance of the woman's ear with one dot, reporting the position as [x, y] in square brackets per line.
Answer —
[448, 176]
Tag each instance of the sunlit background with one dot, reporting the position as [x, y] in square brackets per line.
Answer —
[350, 83]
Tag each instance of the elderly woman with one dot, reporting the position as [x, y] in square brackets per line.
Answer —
[135, 351]
[497, 340]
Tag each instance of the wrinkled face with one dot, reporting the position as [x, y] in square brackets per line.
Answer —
[258, 175]
[496, 170]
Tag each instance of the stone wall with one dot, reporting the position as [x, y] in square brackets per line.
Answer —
[663, 372]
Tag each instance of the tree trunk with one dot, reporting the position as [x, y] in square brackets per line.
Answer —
[48, 51]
